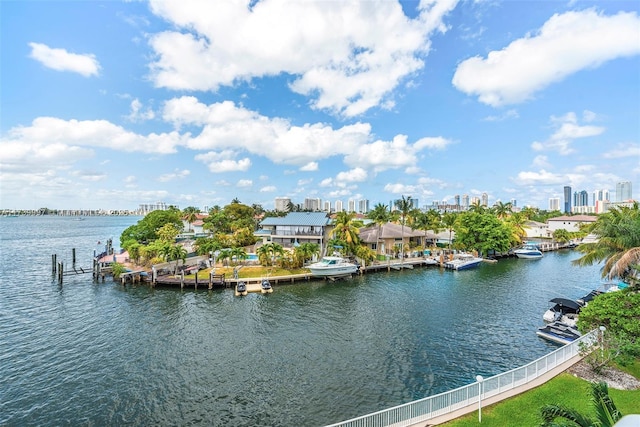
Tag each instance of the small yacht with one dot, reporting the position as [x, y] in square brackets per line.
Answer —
[528, 252]
[241, 289]
[265, 287]
[333, 266]
[463, 262]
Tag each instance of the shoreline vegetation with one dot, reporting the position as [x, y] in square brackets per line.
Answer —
[480, 230]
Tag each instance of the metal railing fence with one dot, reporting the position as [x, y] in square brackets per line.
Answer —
[447, 402]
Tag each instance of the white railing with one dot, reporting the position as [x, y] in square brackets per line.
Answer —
[447, 402]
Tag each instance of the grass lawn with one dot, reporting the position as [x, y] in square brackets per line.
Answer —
[247, 272]
[565, 389]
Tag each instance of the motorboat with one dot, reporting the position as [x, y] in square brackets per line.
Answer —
[563, 310]
[333, 266]
[463, 262]
[265, 287]
[241, 289]
[528, 252]
[558, 332]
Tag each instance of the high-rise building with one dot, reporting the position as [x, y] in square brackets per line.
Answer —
[456, 199]
[363, 206]
[351, 206]
[338, 205]
[485, 199]
[465, 201]
[623, 191]
[282, 204]
[581, 198]
[513, 202]
[312, 205]
[567, 199]
[554, 204]
[327, 206]
[600, 196]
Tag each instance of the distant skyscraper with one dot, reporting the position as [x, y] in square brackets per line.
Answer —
[513, 202]
[600, 196]
[339, 206]
[456, 199]
[554, 204]
[312, 205]
[351, 206]
[623, 191]
[465, 200]
[327, 206]
[363, 206]
[485, 199]
[282, 204]
[581, 198]
[567, 199]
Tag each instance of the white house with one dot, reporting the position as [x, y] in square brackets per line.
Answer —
[569, 223]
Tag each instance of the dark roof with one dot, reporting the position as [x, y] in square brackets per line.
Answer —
[298, 218]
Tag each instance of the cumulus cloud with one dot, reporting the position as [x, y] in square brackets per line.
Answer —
[348, 56]
[60, 60]
[566, 43]
[177, 174]
[268, 189]
[139, 113]
[224, 161]
[226, 126]
[244, 183]
[629, 150]
[543, 177]
[567, 130]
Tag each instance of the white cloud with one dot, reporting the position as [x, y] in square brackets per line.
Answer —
[138, 113]
[348, 55]
[61, 60]
[566, 44]
[541, 162]
[310, 167]
[540, 178]
[177, 174]
[353, 175]
[624, 151]
[244, 183]
[220, 162]
[268, 189]
[567, 131]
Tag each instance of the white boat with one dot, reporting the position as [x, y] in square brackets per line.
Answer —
[463, 262]
[265, 287]
[558, 332]
[564, 310]
[333, 266]
[528, 252]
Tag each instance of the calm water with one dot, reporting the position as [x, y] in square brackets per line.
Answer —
[306, 355]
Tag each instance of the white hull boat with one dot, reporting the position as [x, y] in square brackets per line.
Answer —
[528, 252]
[333, 266]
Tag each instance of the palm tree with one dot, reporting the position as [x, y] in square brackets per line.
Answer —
[380, 216]
[176, 253]
[238, 253]
[477, 208]
[190, 214]
[502, 210]
[448, 221]
[517, 221]
[426, 221]
[268, 253]
[606, 412]
[345, 230]
[306, 251]
[618, 243]
[405, 206]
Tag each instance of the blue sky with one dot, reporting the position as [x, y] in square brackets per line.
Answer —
[113, 104]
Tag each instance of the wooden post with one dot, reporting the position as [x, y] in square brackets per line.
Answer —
[53, 263]
[73, 256]
[211, 280]
[182, 279]
[60, 272]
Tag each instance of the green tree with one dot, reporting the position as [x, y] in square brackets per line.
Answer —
[379, 215]
[146, 229]
[190, 214]
[482, 232]
[449, 222]
[239, 254]
[345, 230]
[269, 253]
[168, 232]
[503, 210]
[404, 205]
[476, 207]
[561, 235]
[606, 413]
[306, 251]
[518, 223]
[426, 221]
[618, 312]
[618, 243]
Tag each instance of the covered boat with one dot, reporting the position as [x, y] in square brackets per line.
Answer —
[241, 289]
[563, 310]
[265, 287]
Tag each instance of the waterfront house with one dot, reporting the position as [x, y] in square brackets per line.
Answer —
[537, 229]
[390, 236]
[295, 229]
[569, 223]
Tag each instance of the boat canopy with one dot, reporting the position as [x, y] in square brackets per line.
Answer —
[565, 302]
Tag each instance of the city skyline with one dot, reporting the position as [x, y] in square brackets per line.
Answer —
[116, 104]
